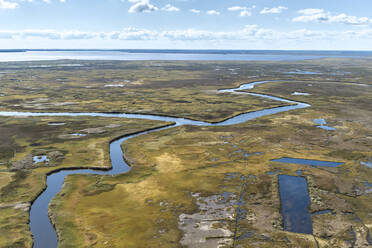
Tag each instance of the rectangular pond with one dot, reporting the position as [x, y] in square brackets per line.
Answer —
[295, 200]
[309, 162]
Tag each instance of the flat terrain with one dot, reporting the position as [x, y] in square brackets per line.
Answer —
[22, 179]
[189, 186]
[183, 89]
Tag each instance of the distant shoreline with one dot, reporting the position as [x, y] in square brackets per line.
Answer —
[12, 50]
[14, 55]
[206, 51]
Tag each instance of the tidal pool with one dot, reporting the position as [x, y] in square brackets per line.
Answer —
[295, 201]
[56, 123]
[367, 164]
[322, 124]
[79, 134]
[303, 72]
[113, 85]
[252, 154]
[368, 187]
[296, 93]
[40, 159]
[367, 184]
[327, 128]
[309, 162]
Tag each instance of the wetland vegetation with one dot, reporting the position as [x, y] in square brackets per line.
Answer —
[191, 186]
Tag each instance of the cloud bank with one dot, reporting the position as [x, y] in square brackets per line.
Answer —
[274, 10]
[8, 5]
[248, 32]
[170, 8]
[243, 11]
[213, 12]
[320, 15]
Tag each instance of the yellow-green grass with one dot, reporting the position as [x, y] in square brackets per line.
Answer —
[23, 138]
[174, 163]
[14, 228]
[142, 208]
[170, 165]
[184, 89]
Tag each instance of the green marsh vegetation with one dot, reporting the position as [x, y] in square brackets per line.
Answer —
[188, 174]
[22, 180]
[182, 89]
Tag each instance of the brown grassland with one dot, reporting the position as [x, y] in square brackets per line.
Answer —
[188, 186]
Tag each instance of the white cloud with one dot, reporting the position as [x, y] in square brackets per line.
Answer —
[274, 10]
[196, 11]
[5, 4]
[130, 34]
[8, 5]
[170, 8]
[244, 11]
[236, 8]
[213, 12]
[247, 33]
[141, 6]
[245, 36]
[311, 11]
[320, 15]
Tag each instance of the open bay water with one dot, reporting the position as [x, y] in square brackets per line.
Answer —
[158, 54]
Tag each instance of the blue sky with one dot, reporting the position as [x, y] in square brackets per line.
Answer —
[187, 24]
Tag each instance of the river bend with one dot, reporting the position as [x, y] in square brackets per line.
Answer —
[42, 229]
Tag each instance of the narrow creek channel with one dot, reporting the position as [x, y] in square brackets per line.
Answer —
[42, 229]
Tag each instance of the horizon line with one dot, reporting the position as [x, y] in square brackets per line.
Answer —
[176, 49]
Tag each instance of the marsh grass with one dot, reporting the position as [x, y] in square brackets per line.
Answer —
[142, 208]
[33, 136]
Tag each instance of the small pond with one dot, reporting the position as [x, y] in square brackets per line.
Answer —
[295, 201]
[79, 134]
[296, 93]
[300, 72]
[113, 85]
[367, 163]
[56, 123]
[323, 125]
[327, 128]
[40, 159]
[309, 162]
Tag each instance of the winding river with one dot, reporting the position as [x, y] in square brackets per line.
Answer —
[43, 230]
